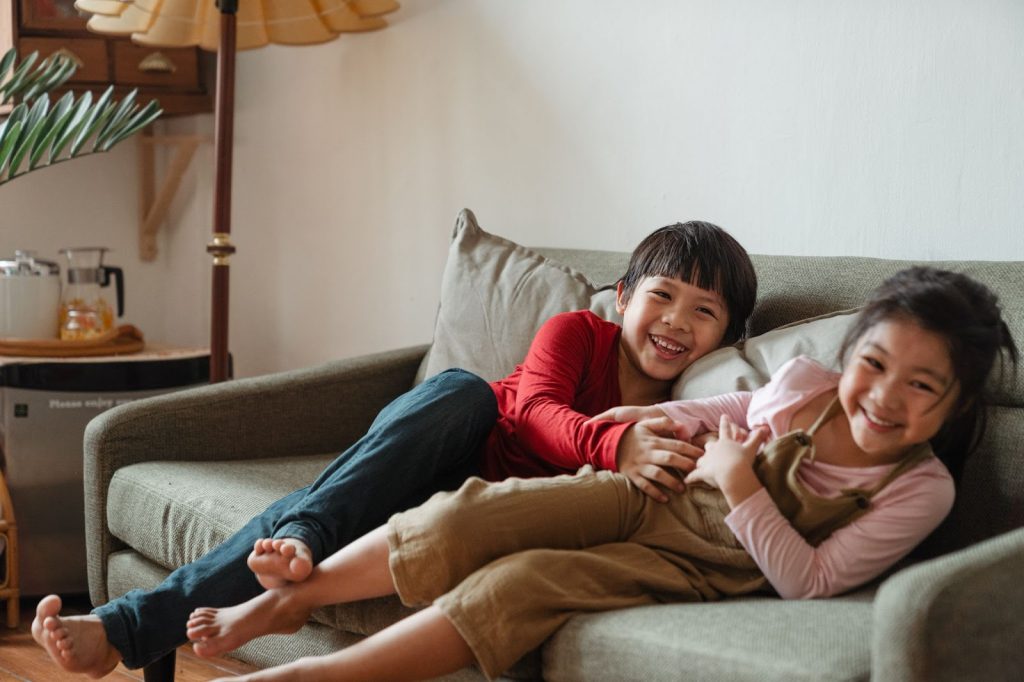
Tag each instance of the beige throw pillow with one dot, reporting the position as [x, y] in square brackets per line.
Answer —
[495, 295]
[749, 364]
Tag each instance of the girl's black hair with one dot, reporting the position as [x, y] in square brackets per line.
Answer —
[701, 254]
[967, 315]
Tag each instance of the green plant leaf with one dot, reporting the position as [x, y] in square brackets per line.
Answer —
[95, 118]
[35, 127]
[37, 111]
[56, 120]
[12, 86]
[73, 125]
[36, 134]
[57, 70]
[140, 120]
[17, 114]
[7, 148]
[6, 62]
[123, 110]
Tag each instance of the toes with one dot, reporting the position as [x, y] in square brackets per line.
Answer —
[48, 606]
[201, 631]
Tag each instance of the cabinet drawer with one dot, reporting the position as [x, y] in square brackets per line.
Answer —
[137, 65]
[91, 53]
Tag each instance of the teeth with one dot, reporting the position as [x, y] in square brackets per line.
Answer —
[668, 345]
[875, 420]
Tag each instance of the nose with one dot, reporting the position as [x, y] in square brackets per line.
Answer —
[677, 317]
[885, 393]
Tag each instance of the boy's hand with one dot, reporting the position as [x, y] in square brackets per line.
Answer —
[650, 456]
[629, 413]
[727, 463]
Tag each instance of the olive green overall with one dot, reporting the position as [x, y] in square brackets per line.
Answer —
[508, 563]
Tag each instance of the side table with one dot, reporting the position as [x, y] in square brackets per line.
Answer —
[45, 405]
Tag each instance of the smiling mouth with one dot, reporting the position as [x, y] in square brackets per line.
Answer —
[877, 422]
[667, 347]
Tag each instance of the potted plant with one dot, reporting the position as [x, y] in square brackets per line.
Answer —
[36, 133]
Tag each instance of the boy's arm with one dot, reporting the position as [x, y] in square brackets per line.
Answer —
[567, 351]
[559, 359]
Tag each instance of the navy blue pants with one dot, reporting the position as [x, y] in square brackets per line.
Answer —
[428, 439]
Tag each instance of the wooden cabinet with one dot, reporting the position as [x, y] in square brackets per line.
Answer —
[177, 77]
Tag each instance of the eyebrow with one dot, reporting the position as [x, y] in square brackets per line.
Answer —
[713, 297]
[941, 378]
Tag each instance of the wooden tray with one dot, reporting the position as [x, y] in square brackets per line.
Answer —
[121, 341]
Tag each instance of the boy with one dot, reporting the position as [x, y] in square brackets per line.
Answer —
[688, 288]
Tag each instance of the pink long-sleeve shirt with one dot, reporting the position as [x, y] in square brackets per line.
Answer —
[902, 514]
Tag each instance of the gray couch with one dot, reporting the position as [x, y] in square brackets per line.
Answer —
[169, 477]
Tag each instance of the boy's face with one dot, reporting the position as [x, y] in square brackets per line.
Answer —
[667, 324]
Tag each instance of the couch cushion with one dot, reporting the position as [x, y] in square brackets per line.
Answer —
[495, 295]
[174, 512]
[749, 364]
[748, 639]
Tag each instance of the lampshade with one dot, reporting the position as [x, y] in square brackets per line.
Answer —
[180, 23]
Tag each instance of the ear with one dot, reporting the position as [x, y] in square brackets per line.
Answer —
[620, 303]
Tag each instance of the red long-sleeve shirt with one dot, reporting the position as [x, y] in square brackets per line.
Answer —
[570, 374]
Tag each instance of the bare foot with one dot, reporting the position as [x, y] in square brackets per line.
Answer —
[78, 644]
[277, 562]
[217, 631]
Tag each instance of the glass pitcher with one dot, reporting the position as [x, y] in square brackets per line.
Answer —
[85, 312]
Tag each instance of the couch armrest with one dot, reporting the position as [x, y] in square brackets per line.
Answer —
[310, 411]
[957, 617]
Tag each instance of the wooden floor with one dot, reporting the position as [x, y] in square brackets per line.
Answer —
[22, 660]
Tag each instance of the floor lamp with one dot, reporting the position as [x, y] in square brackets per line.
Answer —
[226, 26]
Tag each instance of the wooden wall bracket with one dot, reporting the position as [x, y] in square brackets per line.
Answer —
[153, 203]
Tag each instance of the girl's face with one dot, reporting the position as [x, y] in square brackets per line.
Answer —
[897, 389]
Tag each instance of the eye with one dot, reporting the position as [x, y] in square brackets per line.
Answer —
[661, 294]
[704, 310]
[871, 362]
[922, 386]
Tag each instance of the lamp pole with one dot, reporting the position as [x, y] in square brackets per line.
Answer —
[220, 247]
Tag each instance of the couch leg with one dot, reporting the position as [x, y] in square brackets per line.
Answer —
[160, 670]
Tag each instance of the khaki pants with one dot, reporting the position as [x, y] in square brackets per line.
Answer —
[509, 563]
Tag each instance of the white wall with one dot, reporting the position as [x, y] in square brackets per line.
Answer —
[887, 128]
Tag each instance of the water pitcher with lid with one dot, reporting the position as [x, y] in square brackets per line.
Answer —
[85, 311]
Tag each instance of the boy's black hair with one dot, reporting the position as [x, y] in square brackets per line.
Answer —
[966, 314]
[701, 254]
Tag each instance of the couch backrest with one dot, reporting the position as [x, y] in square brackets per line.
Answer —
[990, 497]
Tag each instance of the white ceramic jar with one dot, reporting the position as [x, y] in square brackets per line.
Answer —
[29, 297]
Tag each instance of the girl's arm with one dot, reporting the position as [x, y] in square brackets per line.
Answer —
[902, 515]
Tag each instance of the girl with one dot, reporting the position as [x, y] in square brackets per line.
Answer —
[857, 473]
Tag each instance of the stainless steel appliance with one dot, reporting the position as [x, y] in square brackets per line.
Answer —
[45, 405]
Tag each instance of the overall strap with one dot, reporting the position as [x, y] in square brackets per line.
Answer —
[831, 410]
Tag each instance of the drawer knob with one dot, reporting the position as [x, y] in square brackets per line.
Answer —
[68, 54]
[157, 62]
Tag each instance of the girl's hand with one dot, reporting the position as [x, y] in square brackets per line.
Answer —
[727, 463]
[629, 413]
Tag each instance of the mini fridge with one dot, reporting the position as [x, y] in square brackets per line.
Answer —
[45, 405]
